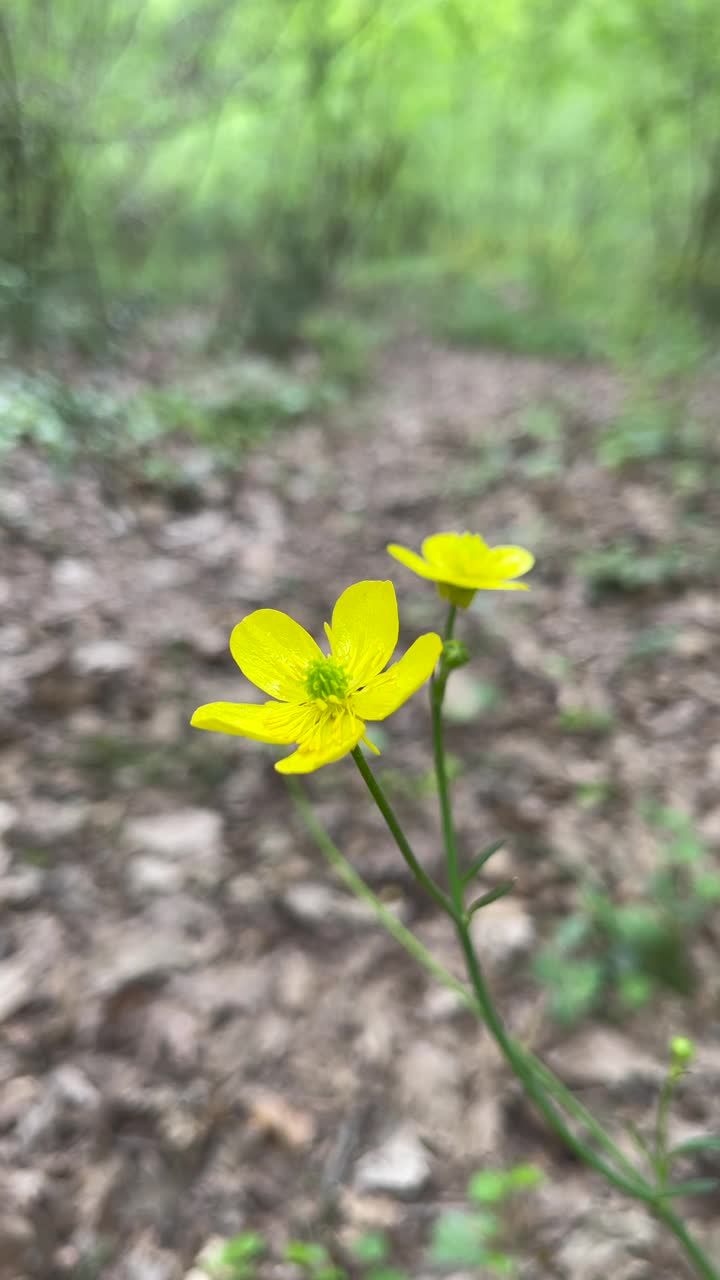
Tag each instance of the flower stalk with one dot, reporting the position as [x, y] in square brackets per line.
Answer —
[540, 1085]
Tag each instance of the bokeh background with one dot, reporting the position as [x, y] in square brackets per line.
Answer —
[281, 282]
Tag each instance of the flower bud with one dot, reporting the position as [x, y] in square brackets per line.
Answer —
[454, 654]
[682, 1051]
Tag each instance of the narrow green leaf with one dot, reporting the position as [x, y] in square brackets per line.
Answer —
[708, 1143]
[695, 1187]
[479, 862]
[491, 896]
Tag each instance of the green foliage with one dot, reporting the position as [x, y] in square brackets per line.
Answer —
[314, 1260]
[615, 957]
[71, 422]
[470, 315]
[492, 1186]
[245, 154]
[649, 430]
[235, 1259]
[625, 569]
[472, 1238]
[585, 721]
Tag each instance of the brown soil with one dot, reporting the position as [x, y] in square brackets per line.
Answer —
[200, 1034]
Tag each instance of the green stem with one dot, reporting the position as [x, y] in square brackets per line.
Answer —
[697, 1256]
[513, 1053]
[362, 890]
[438, 684]
[522, 1068]
[629, 1180]
[661, 1161]
[398, 834]
[574, 1107]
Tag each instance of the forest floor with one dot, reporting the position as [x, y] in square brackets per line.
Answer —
[201, 1034]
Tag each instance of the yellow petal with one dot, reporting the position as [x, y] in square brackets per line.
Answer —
[267, 722]
[412, 561]
[364, 629]
[460, 552]
[465, 560]
[387, 692]
[330, 742]
[274, 652]
[510, 562]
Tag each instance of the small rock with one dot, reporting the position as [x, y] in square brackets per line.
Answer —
[48, 821]
[74, 1089]
[18, 1096]
[17, 986]
[191, 837]
[22, 887]
[69, 574]
[226, 989]
[503, 931]
[140, 956]
[8, 817]
[400, 1166]
[195, 531]
[709, 825]
[314, 904]
[430, 1078]
[172, 1035]
[104, 658]
[440, 1004]
[602, 1056]
[295, 981]
[153, 875]
[69, 1096]
[145, 1260]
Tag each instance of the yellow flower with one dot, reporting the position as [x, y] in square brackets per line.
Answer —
[323, 699]
[461, 564]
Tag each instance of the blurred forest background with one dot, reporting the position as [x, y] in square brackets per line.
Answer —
[538, 174]
[282, 281]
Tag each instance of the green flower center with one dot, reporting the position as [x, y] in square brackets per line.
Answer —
[326, 679]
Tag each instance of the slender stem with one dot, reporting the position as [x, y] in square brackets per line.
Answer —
[384, 914]
[512, 1052]
[662, 1118]
[437, 695]
[696, 1255]
[515, 1057]
[398, 834]
[574, 1107]
[522, 1065]
[415, 948]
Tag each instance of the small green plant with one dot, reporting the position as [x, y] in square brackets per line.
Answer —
[343, 343]
[314, 1260]
[586, 721]
[473, 1238]
[469, 314]
[649, 430]
[235, 1259]
[617, 956]
[625, 569]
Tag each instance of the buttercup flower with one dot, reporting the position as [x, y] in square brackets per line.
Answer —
[323, 700]
[461, 564]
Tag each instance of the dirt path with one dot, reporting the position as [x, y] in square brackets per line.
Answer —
[199, 1034]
